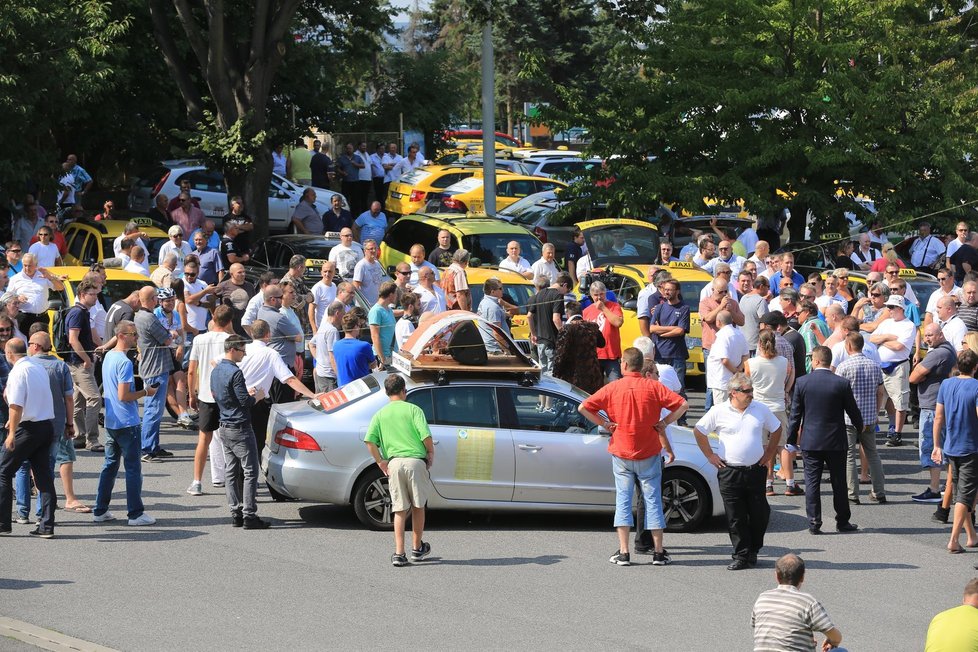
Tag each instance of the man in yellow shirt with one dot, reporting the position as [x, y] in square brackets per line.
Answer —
[956, 630]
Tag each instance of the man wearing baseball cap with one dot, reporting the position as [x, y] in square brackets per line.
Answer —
[895, 338]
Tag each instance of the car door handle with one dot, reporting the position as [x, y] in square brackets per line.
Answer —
[434, 441]
[530, 447]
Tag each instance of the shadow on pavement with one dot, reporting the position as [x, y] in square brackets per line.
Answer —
[159, 532]
[20, 585]
[542, 560]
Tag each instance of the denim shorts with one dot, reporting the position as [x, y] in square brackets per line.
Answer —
[649, 474]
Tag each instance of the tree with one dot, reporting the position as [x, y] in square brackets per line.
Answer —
[779, 103]
[226, 57]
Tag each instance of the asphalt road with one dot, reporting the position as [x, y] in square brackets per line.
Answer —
[494, 581]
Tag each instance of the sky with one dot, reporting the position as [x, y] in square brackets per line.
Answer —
[403, 6]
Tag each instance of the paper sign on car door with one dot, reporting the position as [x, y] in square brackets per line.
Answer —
[474, 454]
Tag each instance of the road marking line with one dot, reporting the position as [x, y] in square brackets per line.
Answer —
[46, 639]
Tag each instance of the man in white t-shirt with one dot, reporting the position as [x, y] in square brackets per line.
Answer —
[546, 265]
[131, 231]
[322, 346]
[839, 352]
[865, 254]
[137, 264]
[515, 262]
[368, 274]
[727, 357]
[963, 231]
[946, 288]
[431, 298]
[951, 325]
[417, 262]
[346, 254]
[894, 338]
[405, 325]
[831, 295]
[46, 251]
[323, 294]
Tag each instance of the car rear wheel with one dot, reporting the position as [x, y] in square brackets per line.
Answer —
[372, 500]
[686, 500]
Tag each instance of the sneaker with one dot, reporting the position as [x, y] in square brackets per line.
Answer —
[769, 490]
[237, 520]
[43, 534]
[195, 489]
[23, 520]
[150, 457]
[185, 422]
[877, 498]
[894, 440]
[255, 523]
[162, 452]
[621, 558]
[399, 560]
[927, 496]
[661, 558]
[941, 515]
[417, 554]
[217, 484]
[142, 519]
[794, 490]
[107, 516]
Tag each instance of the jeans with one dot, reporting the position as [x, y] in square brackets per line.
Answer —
[746, 506]
[815, 462]
[241, 469]
[153, 407]
[926, 439]
[121, 444]
[868, 440]
[545, 354]
[32, 442]
[611, 369]
[649, 474]
[88, 403]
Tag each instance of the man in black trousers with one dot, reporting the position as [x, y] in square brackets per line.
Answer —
[818, 427]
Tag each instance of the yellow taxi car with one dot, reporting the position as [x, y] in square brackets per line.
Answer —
[119, 284]
[468, 195]
[411, 192]
[517, 291]
[484, 238]
[621, 255]
[91, 242]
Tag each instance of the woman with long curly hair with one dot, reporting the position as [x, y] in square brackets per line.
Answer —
[576, 359]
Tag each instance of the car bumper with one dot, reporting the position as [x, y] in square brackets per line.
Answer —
[306, 475]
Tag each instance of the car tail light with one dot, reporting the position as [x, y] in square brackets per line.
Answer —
[418, 195]
[159, 186]
[540, 233]
[454, 204]
[292, 438]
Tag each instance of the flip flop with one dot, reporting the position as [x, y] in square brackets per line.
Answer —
[955, 551]
[79, 509]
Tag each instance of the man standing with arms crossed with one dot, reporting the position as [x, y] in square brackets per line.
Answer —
[29, 434]
[741, 424]
[638, 436]
[400, 442]
[122, 437]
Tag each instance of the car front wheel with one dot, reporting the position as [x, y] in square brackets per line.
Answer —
[686, 500]
[372, 500]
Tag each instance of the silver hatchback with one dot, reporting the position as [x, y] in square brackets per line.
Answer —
[496, 448]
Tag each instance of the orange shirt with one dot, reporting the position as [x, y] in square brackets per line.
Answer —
[635, 404]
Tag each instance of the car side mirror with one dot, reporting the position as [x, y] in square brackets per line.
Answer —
[630, 305]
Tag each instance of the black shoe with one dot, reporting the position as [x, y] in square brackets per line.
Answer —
[399, 560]
[877, 498]
[814, 529]
[738, 564]
[417, 554]
[661, 558]
[6, 530]
[44, 534]
[894, 441]
[255, 523]
[854, 501]
[162, 452]
[151, 457]
[237, 520]
[941, 515]
[752, 559]
[621, 558]
[847, 527]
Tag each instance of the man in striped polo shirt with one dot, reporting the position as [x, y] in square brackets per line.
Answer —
[785, 619]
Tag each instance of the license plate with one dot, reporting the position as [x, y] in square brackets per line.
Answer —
[396, 195]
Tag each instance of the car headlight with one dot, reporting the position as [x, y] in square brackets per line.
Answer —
[693, 342]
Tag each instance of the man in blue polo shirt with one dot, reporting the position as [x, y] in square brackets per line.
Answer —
[787, 269]
[668, 327]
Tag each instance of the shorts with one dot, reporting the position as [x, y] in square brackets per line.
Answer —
[545, 354]
[964, 470]
[783, 418]
[64, 452]
[324, 383]
[209, 417]
[408, 483]
[897, 385]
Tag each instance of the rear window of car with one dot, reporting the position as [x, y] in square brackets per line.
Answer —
[414, 177]
[490, 248]
[149, 178]
[465, 185]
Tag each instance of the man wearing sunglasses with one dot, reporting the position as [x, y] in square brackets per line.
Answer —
[13, 251]
[742, 425]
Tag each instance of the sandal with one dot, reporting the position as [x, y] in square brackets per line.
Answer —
[79, 509]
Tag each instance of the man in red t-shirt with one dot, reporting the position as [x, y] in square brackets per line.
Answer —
[609, 318]
[634, 406]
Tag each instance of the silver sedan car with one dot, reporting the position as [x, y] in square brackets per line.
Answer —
[499, 445]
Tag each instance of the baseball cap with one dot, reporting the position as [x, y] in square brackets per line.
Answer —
[896, 301]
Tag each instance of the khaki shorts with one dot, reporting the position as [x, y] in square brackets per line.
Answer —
[408, 477]
[897, 385]
[783, 418]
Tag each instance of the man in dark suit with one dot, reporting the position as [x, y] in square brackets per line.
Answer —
[818, 427]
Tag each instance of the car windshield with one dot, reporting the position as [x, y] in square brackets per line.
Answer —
[516, 294]
[153, 244]
[922, 289]
[116, 290]
[690, 292]
[621, 243]
[490, 248]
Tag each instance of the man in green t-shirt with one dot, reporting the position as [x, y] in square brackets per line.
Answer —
[400, 441]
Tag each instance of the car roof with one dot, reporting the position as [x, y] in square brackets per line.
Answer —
[113, 228]
[298, 239]
[609, 221]
[466, 224]
[76, 273]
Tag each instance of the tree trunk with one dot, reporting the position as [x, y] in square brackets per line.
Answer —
[253, 186]
[798, 222]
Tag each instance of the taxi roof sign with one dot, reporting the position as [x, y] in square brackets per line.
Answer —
[907, 271]
[681, 264]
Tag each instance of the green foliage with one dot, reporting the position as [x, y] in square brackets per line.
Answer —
[232, 149]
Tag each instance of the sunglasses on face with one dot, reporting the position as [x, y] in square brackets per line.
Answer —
[4, 331]
[875, 294]
[743, 391]
[14, 251]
